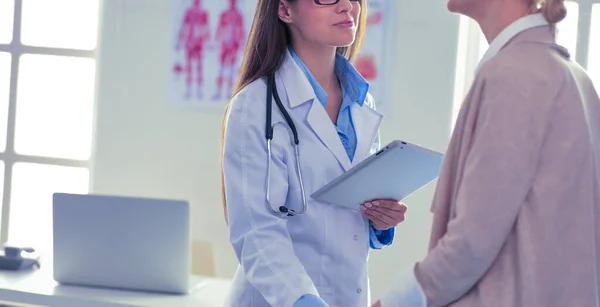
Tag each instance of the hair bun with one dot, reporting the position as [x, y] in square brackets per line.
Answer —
[554, 10]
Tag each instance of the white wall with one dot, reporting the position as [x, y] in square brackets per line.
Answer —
[418, 109]
[146, 148]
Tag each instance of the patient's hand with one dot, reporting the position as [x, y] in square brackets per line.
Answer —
[377, 304]
[384, 214]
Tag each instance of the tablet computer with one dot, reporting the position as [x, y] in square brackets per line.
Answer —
[396, 171]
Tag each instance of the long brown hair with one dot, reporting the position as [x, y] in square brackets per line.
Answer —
[265, 51]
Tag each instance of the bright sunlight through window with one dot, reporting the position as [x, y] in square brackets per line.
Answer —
[75, 20]
[594, 53]
[567, 29]
[5, 59]
[55, 105]
[46, 139]
[31, 213]
[1, 186]
[7, 8]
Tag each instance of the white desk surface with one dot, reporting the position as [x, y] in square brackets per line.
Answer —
[38, 288]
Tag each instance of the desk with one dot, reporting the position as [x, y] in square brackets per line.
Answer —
[39, 289]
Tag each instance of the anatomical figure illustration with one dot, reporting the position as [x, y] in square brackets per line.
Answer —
[230, 36]
[365, 63]
[193, 36]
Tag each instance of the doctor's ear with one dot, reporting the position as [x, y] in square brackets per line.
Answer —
[284, 11]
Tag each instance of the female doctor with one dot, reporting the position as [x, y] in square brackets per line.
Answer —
[292, 250]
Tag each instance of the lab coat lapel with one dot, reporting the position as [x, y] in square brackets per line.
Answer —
[299, 92]
[321, 124]
[367, 122]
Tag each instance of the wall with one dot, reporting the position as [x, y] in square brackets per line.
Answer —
[418, 109]
[146, 148]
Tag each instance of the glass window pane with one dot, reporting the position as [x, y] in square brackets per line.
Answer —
[594, 53]
[7, 13]
[567, 29]
[60, 23]
[1, 187]
[5, 60]
[55, 104]
[483, 45]
[30, 220]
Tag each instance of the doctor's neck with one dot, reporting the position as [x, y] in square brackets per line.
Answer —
[498, 15]
[320, 60]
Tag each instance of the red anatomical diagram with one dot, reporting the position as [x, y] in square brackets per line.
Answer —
[230, 36]
[375, 18]
[193, 35]
[365, 65]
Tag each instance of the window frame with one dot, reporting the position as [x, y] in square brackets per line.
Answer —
[468, 55]
[9, 156]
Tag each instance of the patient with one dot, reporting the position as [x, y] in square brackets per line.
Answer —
[517, 206]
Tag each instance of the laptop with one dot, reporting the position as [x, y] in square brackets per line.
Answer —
[119, 242]
[396, 171]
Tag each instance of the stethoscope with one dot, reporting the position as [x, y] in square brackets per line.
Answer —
[272, 91]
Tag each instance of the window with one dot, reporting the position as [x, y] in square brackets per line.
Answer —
[567, 29]
[34, 209]
[7, 8]
[51, 87]
[75, 20]
[47, 97]
[472, 45]
[594, 53]
[5, 59]
[31, 213]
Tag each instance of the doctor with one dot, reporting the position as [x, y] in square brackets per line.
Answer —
[301, 116]
[517, 205]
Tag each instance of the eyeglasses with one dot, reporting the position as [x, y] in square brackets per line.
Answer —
[331, 2]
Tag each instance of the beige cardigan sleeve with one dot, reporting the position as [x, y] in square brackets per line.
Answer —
[515, 105]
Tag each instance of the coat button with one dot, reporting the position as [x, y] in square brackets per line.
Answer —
[359, 290]
[355, 238]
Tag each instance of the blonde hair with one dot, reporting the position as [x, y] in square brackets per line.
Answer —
[553, 10]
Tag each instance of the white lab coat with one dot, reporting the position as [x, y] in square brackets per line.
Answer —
[322, 252]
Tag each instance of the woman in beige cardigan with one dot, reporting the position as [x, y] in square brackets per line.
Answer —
[517, 206]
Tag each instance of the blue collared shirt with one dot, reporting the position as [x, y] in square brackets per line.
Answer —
[354, 90]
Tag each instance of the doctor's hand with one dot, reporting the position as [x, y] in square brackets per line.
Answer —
[384, 214]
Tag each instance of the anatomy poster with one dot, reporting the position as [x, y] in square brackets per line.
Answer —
[209, 38]
[208, 43]
[371, 60]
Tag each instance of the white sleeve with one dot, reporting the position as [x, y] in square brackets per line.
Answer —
[260, 237]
